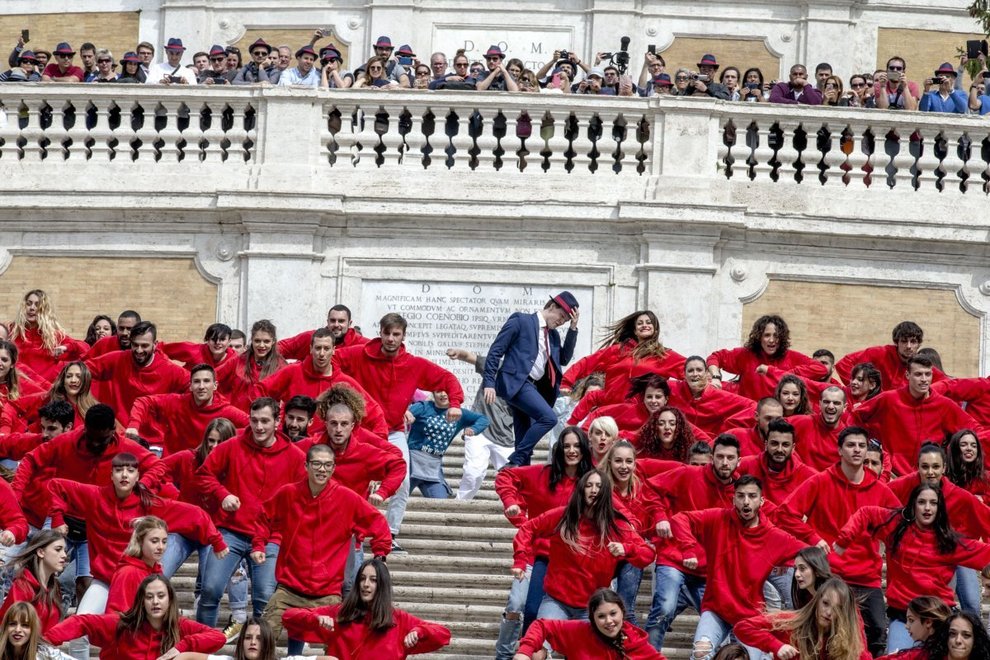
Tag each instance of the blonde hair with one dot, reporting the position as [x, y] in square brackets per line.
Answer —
[48, 325]
[606, 424]
[842, 641]
[142, 527]
[23, 613]
[606, 463]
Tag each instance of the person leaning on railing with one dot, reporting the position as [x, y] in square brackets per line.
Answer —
[25, 71]
[941, 94]
[892, 90]
[796, 90]
[978, 100]
[860, 94]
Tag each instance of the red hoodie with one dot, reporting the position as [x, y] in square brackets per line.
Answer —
[828, 500]
[759, 632]
[903, 423]
[104, 346]
[355, 641]
[751, 441]
[968, 514]
[240, 382]
[366, 458]
[11, 517]
[253, 473]
[108, 521]
[31, 352]
[174, 422]
[145, 644]
[917, 567]
[715, 410]
[297, 347]
[888, 362]
[630, 418]
[746, 556]
[578, 641]
[182, 472]
[816, 443]
[302, 378]
[66, 457]
[975, 392]
[392, 382]
[124, 381]
[192, 353]
[126, 581]
[743, 363]
[572, 575]
[618, 365]
[528, 487]
[23, 413]
[776, 485]
[314, 535]
[25, 589]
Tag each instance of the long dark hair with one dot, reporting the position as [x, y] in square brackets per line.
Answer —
[557, 466]
[651, 445]
[937, 645]
[136, 616]
[224, 427]
[624, 330]
[602, 513]
[50, 593]
[639, 385]
[91, 330]
[271, 362]
[24, 614]
[601, 596]
[959, 471]
[870, 373]
[783, 335]
[12, 380]
[804, 405]
[266, 650]
[946, 538]
[379, 610]
[818, 561]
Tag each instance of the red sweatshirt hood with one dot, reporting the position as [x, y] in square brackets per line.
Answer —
[789, 467]
[835, 473]
[310, 371]
[281, 444]
[373, 349]
[137, 562]
[219, 403]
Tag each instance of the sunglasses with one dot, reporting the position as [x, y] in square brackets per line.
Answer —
[681, 78]
[218, 59]
[460, 63]
[895, 68]
[857, 85]
[374, 68]
[497, 58]
[260, 53]
[104, 61]
[64, 57]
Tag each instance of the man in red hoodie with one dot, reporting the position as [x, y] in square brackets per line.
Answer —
[126, 375]
[214, 349]
[748, 548]
[752, 439]
[777, 468]
[120, 341]
[314, 522]
[890, 360]
[178, 421]
[688, 488]
[391, 376]
[340, 327]
[314, 374]
[816, 512]
[816, 434]
[236, 479]
[905, 418]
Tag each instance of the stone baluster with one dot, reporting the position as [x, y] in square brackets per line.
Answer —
[10, 133]
[77, 134]
[618, 136]
[556, 142]
[414, 140]
[213, 136]
[952, 164]
[146, 134]
[510, 143]
[834, 158]
[763, 154]
[365, 139]
[56, 133]
[788, 154]
[857, 157]
[585, 146]
[486, 143]
[347, 137]
[238, 134]
[101, 134]
[972, 166]
[904, 160]
[928, 162]
[170, 135]
[643, 135]
[460, 145]
[390, 145]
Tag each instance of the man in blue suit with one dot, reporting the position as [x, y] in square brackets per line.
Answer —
[528, 378]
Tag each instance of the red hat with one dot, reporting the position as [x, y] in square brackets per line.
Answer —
[175, 44]
[494, 51]
[405, 50]
[218, 51]
[259, 43]
[708, 60]
[383, 42]
[946, 69]
[64, 49]
[306, 50]
[566, 301]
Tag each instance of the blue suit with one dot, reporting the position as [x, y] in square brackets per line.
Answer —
[517, 348]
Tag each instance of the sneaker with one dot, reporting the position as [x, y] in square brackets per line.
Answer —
[232, 631]
[397, 549]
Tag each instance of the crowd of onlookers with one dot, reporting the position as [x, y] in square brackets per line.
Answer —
[389, 67]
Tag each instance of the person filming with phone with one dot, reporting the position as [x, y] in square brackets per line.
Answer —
[941, 94]
[893, 90]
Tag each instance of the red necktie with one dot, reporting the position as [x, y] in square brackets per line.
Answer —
[550, 371]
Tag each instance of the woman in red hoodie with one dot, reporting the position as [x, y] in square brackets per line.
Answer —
[768, 347]
[366, 625]
[36, 571]
[142, 558]
[965, 465]
[793, 396]
[73, 384]
[922, 553]
[667, 435]
[647, 394]
[149, 630]
[40, 338]
[620, 466]
[828, 627]
[606, 637]
[239, 379]
[588, 539]
[13, 385]
[527, 492]
[631, 342]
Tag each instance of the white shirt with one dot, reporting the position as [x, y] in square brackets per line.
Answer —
[293, 77]
[161, 69]
[540, 366]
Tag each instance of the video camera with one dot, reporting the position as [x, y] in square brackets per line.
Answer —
[620, 59]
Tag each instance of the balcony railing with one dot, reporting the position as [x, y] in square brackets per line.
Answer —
[234, 132]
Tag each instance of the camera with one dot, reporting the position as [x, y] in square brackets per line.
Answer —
[697, 77]
[752, 85]
[175, 79]
[939, 79]
[565, 55]
[619, 59]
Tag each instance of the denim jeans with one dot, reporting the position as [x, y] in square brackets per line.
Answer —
[969, 591]
[898, 637]
[715, 630]
[434, 490]
[396, 510]
[673, 591]
[354, 558]
[510, 629]
[554, 610]
[873, 609]
[627, 583]
[777, 589]
[218, 572]
[532, 418]
[534, 597]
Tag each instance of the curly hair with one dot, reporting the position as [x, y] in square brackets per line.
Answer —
[650, 444]
[783, 335]
[937, 645]
[341, 394]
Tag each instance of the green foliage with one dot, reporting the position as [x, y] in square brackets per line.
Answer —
[980, 10]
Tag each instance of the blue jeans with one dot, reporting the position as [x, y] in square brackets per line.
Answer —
[898, 637]
[553, 609]
[534, 597]
[218, 572]
[714, 629]
[969, 590]
[777, 589]
[673, 591]
[627, 586]
[510, 629]
[396, 510]
[355, 557]
[532, 418]
[435, 490]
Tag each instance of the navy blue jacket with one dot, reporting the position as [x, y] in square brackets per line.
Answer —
[517, 343]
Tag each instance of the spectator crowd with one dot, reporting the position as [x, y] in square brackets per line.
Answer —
[391, 68]
[766, 489]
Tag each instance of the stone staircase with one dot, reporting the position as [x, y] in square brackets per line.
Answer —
[456, 570]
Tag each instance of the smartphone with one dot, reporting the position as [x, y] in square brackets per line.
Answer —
[894, 76]
[405, 61]
[652, 48]
[973, 49]
[25, 35]
[555, 81]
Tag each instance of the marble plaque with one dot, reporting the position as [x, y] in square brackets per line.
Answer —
[534, 46]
